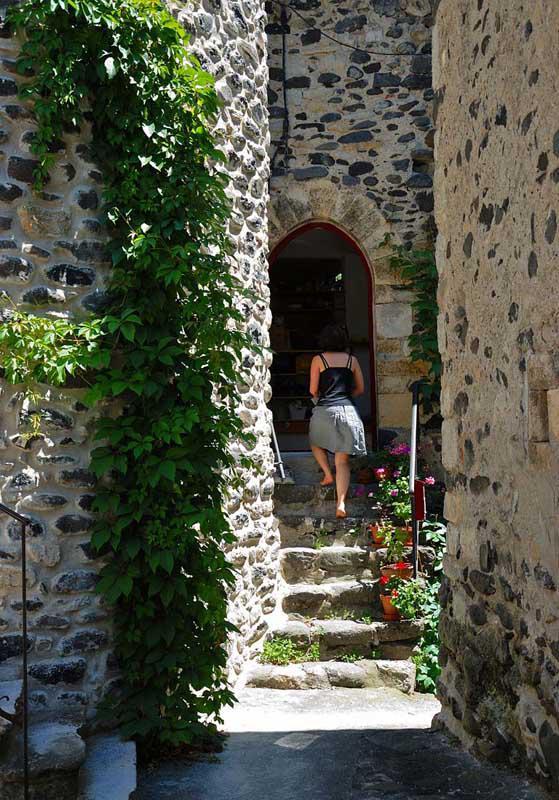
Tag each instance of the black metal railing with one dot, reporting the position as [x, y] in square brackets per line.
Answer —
[25, 713]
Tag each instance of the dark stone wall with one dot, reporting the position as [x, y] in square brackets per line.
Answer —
[352, 144]
[360, 119]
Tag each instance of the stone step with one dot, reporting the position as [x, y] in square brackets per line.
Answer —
[318, 529]
[319, 600]
[337, 637]
[309, 565]
[109, 769]
[362, 674]
[303, 468]
[56, 752]
[295, 495]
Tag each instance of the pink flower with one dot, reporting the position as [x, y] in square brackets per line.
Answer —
[394, 493]
[396, 473]
[402, 449]
[430, 481]
[380, 473]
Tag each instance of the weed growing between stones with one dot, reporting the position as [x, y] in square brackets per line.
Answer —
[350, 658]
[282, 651]
[167, 346]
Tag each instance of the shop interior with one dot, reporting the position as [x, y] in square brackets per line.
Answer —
[316, 279]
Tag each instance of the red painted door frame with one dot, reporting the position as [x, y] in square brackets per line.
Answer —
[329, 226]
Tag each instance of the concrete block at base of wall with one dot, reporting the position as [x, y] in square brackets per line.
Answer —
[109, 769]
[395, 410]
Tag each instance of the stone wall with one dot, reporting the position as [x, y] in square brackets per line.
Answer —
[53, 261]
[497, 169]
[230, 41]
[358, 150]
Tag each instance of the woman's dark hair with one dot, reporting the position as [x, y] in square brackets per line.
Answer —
[334, 339]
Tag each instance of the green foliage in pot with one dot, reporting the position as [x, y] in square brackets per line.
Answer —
[394, 539]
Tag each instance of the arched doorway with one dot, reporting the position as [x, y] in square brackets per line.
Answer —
[318, 274]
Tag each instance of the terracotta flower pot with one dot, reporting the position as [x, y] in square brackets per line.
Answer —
[390, 613]
[409, 530]
[391, 569]
[376, 536]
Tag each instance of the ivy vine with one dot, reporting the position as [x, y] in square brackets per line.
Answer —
[167, 346]
[418, 269]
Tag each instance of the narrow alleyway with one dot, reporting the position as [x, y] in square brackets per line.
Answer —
[343, 744]
[292, 738]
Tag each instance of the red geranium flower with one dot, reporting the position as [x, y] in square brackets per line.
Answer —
[394, 592]
[384, 579]
[401, 565]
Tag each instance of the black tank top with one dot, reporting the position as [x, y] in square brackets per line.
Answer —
[336, 384]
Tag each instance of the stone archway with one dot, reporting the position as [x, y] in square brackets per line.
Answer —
[298, 204]
[323, 201]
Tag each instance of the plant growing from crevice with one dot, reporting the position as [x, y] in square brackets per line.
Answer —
[167, 347]
[351, 657]
[418, 271]
[282, 651]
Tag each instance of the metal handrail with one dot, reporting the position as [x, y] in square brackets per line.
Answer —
[279, 461]
[24, 523]
[415, 389]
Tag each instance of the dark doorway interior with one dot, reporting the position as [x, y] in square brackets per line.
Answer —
[316, 278]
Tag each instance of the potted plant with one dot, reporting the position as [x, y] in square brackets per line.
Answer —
[395, 540]
[377, 531]
[412, 597]
[400, 569]
[389, 593]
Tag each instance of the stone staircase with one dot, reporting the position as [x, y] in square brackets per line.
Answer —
[329, 598]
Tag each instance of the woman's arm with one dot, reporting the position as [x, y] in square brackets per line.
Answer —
[314, 377]
[358, 382]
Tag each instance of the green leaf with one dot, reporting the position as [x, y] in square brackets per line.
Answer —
[168, 469]
[167, 561]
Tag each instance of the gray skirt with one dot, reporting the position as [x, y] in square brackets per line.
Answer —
[338, 429]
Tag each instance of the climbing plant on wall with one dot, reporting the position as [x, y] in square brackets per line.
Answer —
[166, 349]
[418, 269]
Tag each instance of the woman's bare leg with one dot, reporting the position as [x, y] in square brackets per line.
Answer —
[322, 459]
[342, 481]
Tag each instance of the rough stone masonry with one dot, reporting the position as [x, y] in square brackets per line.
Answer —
[497, 170]
[352, 144]
[53, 261]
